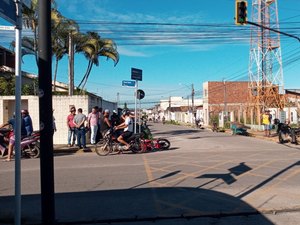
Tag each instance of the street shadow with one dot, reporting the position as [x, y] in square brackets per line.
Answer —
[159, 150]
[138, 205]
[227, 178]
[159, 178]
[238, 170]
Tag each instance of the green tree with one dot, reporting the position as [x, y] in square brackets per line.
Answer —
[7, 85]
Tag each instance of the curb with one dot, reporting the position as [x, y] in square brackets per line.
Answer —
[72, 150]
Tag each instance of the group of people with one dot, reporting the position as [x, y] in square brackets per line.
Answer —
[26, 130]
[97, 122]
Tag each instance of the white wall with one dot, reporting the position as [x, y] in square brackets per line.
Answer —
[61, 106]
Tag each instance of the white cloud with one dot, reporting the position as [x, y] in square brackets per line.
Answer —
[131, 52]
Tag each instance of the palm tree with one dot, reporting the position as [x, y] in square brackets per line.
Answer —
[61, 29]
[92, 46]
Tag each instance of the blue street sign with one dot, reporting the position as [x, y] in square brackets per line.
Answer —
[8, 11]
[128, 83]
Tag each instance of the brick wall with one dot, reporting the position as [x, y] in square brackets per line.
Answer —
[231, 92]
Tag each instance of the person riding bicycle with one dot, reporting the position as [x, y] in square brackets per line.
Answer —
[127, 125]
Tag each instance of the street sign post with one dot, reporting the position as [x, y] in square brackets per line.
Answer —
[128, 83]
[137, 75]
[11, 10]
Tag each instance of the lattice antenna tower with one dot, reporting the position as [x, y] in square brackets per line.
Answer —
[265, 66]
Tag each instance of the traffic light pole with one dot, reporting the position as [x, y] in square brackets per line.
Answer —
[274, 30]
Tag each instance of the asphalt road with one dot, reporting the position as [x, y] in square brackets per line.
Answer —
[204, 178]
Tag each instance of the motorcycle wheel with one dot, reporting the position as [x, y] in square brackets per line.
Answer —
[31, 151]
[136, 147]
[281, 140]
[102, 149]
[164, 144]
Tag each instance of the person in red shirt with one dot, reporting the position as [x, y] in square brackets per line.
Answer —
[71, 127]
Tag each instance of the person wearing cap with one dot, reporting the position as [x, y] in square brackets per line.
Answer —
[93, 120]
[71, 127]
[266, 121]
[105, 124]
[27, 121]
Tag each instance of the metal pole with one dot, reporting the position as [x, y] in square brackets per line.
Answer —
[140, 123]
[46, 114]
[17, 131]
[135, 104]
[71, 65]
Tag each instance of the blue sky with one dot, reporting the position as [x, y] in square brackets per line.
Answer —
[175, 50]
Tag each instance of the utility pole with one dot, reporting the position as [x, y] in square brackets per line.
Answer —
[46, 114]
[118, 99]
[193, 96]
[170, 108]
[225, 101]
[71, 64]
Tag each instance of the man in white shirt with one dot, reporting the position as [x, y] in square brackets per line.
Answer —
[127, 125]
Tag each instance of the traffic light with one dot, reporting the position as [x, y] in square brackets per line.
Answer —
[241, 12]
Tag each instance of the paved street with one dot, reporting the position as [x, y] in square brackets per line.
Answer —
[205, 178]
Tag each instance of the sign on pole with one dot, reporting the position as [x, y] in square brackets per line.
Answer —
[128, 83]
[136, 74]
[8, 11]
[140, 94]
[7, 28]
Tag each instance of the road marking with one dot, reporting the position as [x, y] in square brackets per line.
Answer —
[148, 169]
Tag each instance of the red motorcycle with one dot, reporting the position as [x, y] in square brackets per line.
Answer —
[148, 145]
[30, 145]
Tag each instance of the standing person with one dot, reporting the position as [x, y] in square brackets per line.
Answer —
[104, 122]
[27, 121]
[266, 121]
[11, 144]
[71, 127]
[98, 135]
[79, 121]
[53, 123]
[127, 125]
[93, 120]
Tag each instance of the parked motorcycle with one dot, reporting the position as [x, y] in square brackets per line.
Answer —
[287, 134]
[30, 146]
[110, 144]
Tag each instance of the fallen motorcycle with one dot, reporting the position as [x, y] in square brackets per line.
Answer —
[148, 143]
[154, 144]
